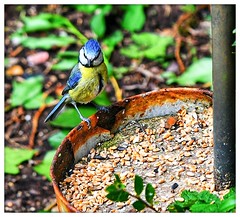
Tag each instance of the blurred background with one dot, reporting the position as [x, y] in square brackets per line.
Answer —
[146, 47]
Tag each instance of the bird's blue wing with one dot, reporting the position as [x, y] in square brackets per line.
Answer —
[73, 79]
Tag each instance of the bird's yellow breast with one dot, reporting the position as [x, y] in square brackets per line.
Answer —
[92, 82]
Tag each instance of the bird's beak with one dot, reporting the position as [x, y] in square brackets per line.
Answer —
[89, 63]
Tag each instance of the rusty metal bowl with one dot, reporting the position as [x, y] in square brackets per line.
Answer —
[81, 140]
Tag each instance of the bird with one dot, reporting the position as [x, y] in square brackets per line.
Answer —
[87, 79]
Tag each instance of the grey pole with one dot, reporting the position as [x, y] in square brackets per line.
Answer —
[223, 23]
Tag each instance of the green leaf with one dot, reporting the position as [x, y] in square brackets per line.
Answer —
[199, 71]
[111, 188]
[56, 139]
[110, 42]
[118, 196]
[69, 118]
[15, 156]
[139, 205]
[44, 167]
[98, 24]
[117, 179]
[203, 202]
[43, 22]
[188, 8]
[26, 90]
[228, 205]
[149, 193]
[120, 71]
[68, 54]
[65, 64]
[37, 101]
[102, 99]
[45, 42]
[89, 9]
[134, 18]
[149, 45]
[138, 184]
[202, 207]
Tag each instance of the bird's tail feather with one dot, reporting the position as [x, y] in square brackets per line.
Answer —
[57, 108]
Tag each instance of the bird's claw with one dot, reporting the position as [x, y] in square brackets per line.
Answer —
[88, 122]
[103, 108]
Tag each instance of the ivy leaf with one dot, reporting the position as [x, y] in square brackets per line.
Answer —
[56, 139]
[134, 18]
[44, 167]
[14, 157]
[138, 184]
[139, 205]
[149, 193]
[199, 71]
[26, 90]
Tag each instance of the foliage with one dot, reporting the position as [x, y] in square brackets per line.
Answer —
[57, 138]
[117, 192]
[44, 167]
[193, 201]
[204, 201]
[188, 8]
[149, 45]
[70, 118]
[134, 17]
[198, 71]
[14, 157]
[28, 93]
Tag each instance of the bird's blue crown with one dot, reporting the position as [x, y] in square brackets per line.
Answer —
[92, 48]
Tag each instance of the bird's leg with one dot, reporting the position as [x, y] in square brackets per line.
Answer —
[80, 115]
[99, 107]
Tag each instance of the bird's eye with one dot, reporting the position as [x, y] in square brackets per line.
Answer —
[90, 59]
[98, 60]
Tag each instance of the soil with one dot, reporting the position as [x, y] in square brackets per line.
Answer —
[29, 191]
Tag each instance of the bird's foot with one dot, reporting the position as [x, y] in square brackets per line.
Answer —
[88, 121]
[101, 108]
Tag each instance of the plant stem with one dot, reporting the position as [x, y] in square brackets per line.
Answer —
[147, 205]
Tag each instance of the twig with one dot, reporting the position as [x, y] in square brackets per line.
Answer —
[118, 91]
[149, 74]
[36, 117]
[147, 205]
[50, 206]
[177, 54]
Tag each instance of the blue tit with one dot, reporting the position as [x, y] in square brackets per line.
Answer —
[87, 79]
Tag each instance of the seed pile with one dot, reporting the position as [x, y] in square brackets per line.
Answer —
[172, 153]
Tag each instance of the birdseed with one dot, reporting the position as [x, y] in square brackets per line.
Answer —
[173, 153]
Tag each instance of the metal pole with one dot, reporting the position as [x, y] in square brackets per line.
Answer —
[223, 23]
